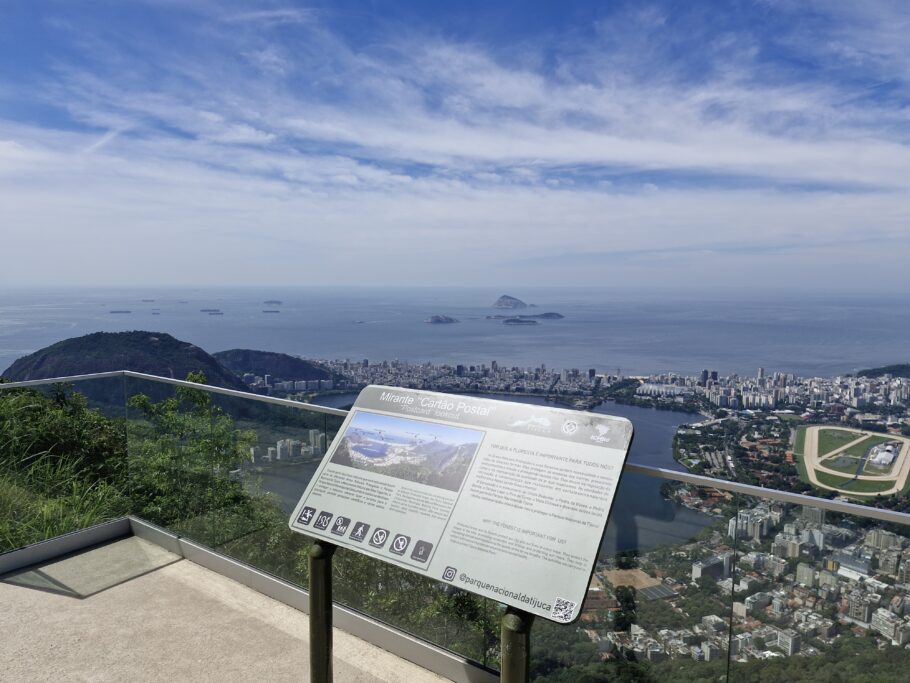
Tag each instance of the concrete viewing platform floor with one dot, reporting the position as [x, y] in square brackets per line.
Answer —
[133, 611]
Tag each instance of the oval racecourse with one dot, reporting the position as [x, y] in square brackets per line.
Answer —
[843, 443]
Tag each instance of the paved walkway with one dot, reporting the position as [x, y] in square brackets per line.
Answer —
[132, 611]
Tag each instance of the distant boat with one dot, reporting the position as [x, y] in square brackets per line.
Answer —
[216, 313]
[209, 310]
[270, 311]
[272, 302]
[119, 311]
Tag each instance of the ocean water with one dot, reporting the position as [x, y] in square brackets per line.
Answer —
[636, 331]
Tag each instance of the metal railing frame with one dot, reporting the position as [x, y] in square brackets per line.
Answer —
[841, 506]
[322, 670]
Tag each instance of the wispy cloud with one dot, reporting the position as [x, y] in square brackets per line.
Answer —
[650, 126]
[288, 15]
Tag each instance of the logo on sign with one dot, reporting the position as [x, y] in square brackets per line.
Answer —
[602, 432]
[538, 425]
[449, 574]
[569, 427]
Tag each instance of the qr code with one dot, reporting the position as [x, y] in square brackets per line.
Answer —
[563, 610]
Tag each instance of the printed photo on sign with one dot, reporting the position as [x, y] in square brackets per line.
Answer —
[423, 452]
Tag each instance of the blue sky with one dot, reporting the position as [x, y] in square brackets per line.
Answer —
[677, 144]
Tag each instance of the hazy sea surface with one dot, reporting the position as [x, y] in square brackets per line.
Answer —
[638, 332]
[635, 331]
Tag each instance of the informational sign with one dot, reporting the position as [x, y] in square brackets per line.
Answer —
[506, 500]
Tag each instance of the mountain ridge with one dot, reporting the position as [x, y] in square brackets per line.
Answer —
[154, 353]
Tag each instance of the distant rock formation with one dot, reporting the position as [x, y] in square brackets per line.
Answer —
[523, 320]
[440, 320]
[506, 301]
[540, 316]
[154, 353]
[898, 370]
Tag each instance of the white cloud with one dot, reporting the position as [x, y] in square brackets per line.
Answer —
[435, 154]
[288, 15]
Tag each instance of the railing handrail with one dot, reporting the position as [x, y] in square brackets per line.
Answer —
[776, 495]
[179, 383]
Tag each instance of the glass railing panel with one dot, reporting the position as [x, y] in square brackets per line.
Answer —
[267, 455]
[171, 456]
[653, 610]
[819, 595]
[276, 451]
[692, 583]
[445, 616]
[62, 459]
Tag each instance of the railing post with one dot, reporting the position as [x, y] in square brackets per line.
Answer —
[320, 565]
[516, 646]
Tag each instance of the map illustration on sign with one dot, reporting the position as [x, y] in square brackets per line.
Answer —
[422, 452]
[506, 500]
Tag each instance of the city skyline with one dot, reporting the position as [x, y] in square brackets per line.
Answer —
[290, 143]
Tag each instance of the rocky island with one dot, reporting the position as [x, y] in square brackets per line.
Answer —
[506, 301]
[519, 320]
[540, 316]
[440, 320]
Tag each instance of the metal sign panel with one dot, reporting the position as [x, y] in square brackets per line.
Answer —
[506, 500]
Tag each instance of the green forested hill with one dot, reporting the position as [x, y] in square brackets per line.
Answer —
[897, 370]
[154, 353]
[279, 365]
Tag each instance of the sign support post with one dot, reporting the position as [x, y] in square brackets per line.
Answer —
[516, 646]
[507, 501]
[320, 565]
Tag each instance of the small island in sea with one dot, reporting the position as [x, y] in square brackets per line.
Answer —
[523, 320]
[272, 302]
[506, 301]
[540, 316]
[440, 320]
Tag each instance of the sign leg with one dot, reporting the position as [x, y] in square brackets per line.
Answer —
[320, 564]
[516, 646]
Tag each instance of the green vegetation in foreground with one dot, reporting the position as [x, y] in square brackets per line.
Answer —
[832, 439]
[860, 449]
[858, 485]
